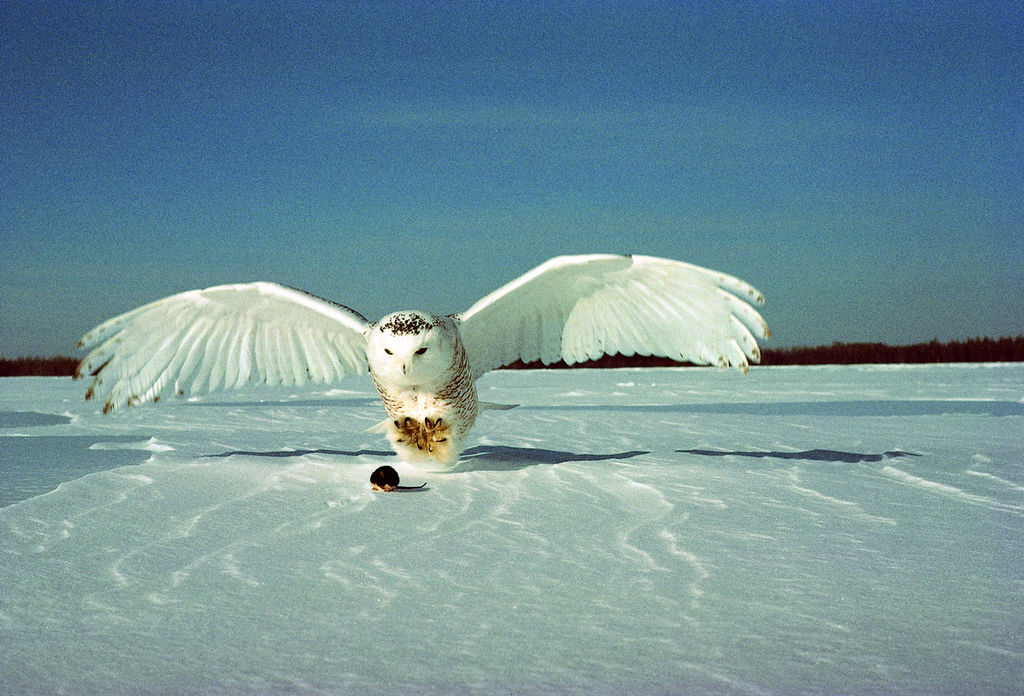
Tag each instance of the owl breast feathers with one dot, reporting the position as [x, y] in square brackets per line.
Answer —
[571, 308]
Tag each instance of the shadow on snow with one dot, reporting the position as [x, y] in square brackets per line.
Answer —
[480, 458]
[303, 452]
[504, 457]
[815, 455]
[31, 419]
[31, 466]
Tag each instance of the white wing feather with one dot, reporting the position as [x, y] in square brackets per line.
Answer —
[578, 308]
[221, 337]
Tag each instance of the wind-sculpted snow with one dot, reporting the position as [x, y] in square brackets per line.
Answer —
[852, 530]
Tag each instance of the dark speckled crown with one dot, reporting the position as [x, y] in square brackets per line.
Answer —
[402, 324]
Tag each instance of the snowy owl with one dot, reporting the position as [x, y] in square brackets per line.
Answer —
[425, 366]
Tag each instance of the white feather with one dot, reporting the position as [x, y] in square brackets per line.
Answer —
[577, 308]
[222, 337]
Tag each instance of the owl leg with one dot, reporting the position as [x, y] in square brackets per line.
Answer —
[409, 431]
[421, 434]
[435, 433]
[431, 438]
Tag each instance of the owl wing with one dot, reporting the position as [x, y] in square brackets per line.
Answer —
[578, 308]
[221, 337]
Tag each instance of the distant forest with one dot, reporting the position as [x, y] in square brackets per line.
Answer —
[60, 366]
[971, 350]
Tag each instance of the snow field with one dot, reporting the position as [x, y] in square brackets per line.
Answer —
[797, 530]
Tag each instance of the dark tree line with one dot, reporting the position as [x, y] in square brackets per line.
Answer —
[971, 350]
[60, 366]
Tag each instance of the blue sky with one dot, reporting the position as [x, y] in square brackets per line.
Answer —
[862, 165]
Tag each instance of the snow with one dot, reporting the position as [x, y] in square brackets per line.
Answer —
[855, 530]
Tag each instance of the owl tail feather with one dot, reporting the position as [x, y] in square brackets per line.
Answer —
[488, 406]
[379, 428]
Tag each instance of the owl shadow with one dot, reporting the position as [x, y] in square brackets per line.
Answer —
[507, 458]
[480, 458]
[814, 455]
[301, 453]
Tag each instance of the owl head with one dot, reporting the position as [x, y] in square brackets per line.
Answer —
[410, 348]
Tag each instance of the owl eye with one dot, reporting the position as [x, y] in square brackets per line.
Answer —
[388, 351]
[421, 351]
